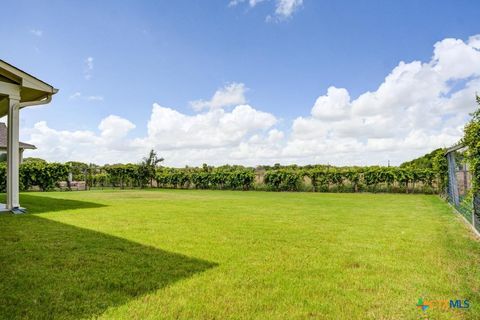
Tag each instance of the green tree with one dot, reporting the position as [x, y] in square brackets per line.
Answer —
[147, 168]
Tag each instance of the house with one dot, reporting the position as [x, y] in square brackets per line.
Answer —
[18, 90]
[3, 144]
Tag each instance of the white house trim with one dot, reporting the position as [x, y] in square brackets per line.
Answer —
[18, 90]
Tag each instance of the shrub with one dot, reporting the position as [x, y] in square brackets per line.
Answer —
[283, 179]
[44, 175]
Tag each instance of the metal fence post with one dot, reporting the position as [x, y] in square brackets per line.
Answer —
[476, 211]
[452, 179]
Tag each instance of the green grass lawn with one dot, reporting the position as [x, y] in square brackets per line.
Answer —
[165, 254]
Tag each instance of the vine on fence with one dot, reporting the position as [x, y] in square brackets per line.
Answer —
[226, 177]
[292, 178]
[354, 179]
[283, 179]
[472, 141]
[440, 167]
[44, 175]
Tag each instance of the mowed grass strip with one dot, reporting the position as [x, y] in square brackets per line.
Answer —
[178, 254]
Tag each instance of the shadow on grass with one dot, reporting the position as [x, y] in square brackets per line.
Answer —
[35, 203]
[51, 270]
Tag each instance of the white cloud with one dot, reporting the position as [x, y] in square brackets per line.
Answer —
[88, 69]
[252, 3]
[455, 59]
[75, 95]
[114, 127]
[230, 95]
[94, 98]
[170, 129]
[79, 95]
[36, 32]
[211, 134]
[474, 41]
[418, 107]
[110, 145]
[283, 8]
[333, 106]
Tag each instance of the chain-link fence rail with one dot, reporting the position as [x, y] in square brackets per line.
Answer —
[476, 212]
[459, 191]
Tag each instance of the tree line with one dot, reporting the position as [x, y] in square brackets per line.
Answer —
[427, 174]
[149, 173]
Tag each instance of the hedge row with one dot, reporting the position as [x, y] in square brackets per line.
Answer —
[320, 179]
[393, 179]
[41, 174]
[238, 178]
[46, 176]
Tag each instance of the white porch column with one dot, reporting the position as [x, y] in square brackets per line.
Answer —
[13, 156]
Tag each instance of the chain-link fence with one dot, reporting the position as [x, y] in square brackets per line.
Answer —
[459, 191]
[476, 212]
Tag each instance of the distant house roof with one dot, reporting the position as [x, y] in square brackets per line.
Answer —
[3, 139]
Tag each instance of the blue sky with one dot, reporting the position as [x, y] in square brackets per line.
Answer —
[119, 57]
